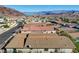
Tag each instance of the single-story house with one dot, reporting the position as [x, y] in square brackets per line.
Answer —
[44, 27]
[39, 43]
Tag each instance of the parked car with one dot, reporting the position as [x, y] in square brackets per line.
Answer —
[77, 26]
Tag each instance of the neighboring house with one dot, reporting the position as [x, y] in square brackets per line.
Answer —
[16, 43]
[11, 19]
[53, 21]
[77, 27]
[43, 27]
[39, 43]
[75, 34]
[71, 25]
[70, 30]
[2, 20]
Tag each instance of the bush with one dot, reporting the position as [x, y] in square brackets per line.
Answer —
[73, 21]
[5, 26]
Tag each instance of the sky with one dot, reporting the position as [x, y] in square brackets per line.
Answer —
[37, 8]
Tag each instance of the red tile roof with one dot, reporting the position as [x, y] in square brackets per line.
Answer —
[37, 27]
[31, 28]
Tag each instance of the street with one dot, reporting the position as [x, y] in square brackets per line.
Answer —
[4, 36]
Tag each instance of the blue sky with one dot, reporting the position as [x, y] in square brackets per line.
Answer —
[36, 8]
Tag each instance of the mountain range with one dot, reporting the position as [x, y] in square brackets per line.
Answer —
[9, 12]
[13, 12]
[52, 12]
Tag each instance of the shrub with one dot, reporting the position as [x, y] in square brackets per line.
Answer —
[6, 26]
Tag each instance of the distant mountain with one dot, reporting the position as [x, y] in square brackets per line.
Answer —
[9, 12]
[51, 12]
[34, 13]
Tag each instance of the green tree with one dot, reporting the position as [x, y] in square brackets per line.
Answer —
[66, 20]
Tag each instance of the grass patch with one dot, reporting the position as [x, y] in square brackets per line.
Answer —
[77, 46]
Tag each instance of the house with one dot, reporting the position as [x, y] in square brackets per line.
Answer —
[77, 27]
[53, 21]
[42, 27]
[49, 43]
[2, 20]
[74, 35]
[16, 42]
[70, 25]
[70, 30]
[39, 43]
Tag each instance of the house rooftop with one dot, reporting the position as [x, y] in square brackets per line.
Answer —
[17, 41]
[38, 27]
[35, 28]
[68, 29]
[38, 24]
[40, 40]
[48, 41]
[74, 34]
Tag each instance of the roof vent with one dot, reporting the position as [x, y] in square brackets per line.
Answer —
[28, 46]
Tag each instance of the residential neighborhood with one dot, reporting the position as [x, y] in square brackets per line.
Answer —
[38, 32]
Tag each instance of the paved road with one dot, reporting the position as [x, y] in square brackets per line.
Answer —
[4, 36]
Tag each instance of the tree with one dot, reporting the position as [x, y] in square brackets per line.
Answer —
[61, 18]
[73, 21]
[6, 21]
[66, 20]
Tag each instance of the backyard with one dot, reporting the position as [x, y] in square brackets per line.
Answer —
[75, 41]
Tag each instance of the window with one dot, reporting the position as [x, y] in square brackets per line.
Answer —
[46, 49]
[14, 50]
[56, 50]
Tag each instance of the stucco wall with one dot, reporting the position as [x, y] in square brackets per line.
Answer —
[40, 51]
[23, 50]
[9, 50]
[1, 51]
[65, 50]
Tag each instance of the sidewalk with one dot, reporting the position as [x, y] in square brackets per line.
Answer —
[2, 30]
